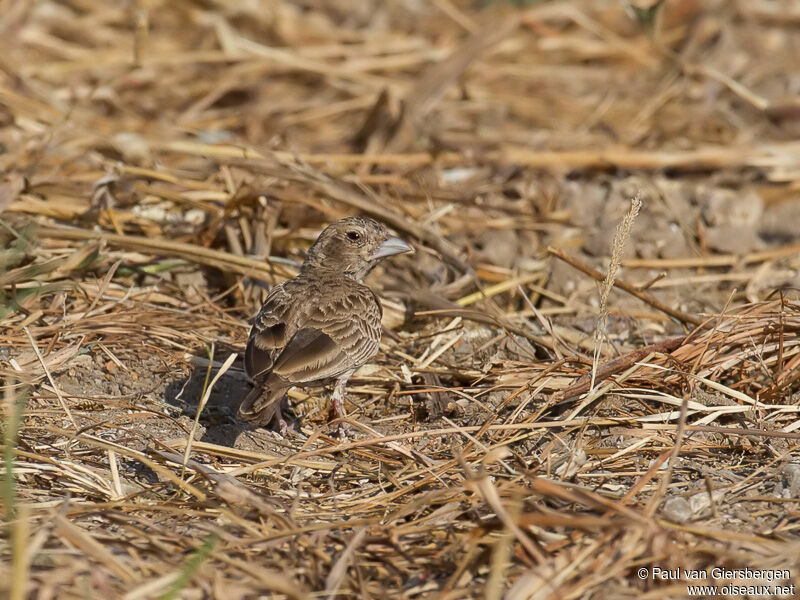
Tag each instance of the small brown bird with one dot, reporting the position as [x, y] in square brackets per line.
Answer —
[320, 326]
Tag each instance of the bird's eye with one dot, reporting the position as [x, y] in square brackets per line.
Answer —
[353, 235]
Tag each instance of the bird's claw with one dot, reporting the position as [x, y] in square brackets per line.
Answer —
[342, 430]
[282, 426]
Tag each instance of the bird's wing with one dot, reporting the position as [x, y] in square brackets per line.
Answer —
[261, 404]
[337, 335]
[270, 332]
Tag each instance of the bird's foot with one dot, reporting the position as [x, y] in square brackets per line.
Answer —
[282, 426]
[284, 419]
[342, 430]
[337, 412]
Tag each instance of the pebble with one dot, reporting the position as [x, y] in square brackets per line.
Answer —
[740, 208]
[677, 510]
[791, 473]
[733, 239]
[701, 500]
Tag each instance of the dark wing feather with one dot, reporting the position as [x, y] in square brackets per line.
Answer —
[307, 353]
[261, 349]
[311, 355]
[270, 332]
[260, 405]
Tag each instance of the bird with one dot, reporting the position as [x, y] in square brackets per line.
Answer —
[320, 326]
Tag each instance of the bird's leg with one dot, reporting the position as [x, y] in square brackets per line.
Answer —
[337, 402]
[279, 421]
[285, 424]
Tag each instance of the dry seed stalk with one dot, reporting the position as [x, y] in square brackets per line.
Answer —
[623, 231]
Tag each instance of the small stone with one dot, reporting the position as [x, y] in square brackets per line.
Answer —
[791, 473]
[733, 239]
[673, 245]
[742, 208]
[463, 349]
[190, 283]
[498, 247]
[133, 147]
[781, 223]
[701, 500]
[677, 510]
[111, 367]
[572, 465]
[779, 491]
[195, 216]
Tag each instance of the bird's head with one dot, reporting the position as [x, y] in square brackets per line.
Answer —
[352, 247]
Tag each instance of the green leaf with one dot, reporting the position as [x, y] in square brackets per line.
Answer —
[191, 566]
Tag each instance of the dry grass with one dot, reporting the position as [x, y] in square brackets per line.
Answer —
[163, 161]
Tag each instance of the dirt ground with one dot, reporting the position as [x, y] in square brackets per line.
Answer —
[164, 163]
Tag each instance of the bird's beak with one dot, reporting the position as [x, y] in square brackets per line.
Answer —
[390, 247]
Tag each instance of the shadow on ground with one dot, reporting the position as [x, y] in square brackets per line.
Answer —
[218, 420]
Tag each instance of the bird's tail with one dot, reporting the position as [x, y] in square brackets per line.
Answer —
[263, 401]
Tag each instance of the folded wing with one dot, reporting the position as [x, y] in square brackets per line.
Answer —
[269, 334]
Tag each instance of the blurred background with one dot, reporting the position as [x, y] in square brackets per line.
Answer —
[163, 162]
[498, 127]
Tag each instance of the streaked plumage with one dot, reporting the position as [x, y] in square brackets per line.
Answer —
[321, 325]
